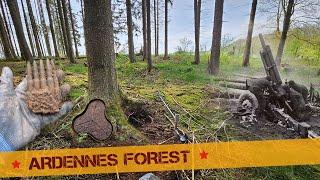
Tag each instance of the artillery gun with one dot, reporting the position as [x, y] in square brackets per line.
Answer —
[288, 104]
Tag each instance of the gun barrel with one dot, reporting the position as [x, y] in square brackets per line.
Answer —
[269, 63]
[263, 43]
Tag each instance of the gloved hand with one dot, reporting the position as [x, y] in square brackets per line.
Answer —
[18, 124]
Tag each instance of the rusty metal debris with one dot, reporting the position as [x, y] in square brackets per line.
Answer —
[43, 93]
[93, 121]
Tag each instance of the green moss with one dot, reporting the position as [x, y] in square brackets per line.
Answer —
[123, 130]
[76, 93]
[75, 68]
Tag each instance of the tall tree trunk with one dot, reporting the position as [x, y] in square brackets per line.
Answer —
[285, 29]
[130, 32]
[5, 40]
[149, 58]
[58, 30]
[197, 20]
[246, 55]
[82, 13]
[34, 29]
[98, 29]
[166, 29]
[63, 27]
[40, 32]
[279, 12]
[157, 26]
[66, 22]
[44, 28]
[11, 33]
[73, 31]
[28, 29]
[16, 19]
[4, 15]
[144, 29]
[56, 52]
[214, 63]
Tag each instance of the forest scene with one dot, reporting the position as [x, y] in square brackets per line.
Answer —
[174, 71]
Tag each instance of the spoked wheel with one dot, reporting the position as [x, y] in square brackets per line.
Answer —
[247, 105]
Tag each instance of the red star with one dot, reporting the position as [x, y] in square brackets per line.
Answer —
[203, 155]
[16, 164]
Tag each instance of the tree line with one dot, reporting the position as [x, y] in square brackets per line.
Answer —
[44, 21]
[47, 21]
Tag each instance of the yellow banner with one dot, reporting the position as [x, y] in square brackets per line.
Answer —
[160, 158]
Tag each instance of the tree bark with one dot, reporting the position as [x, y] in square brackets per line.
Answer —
[98, 29]
[285, 29]
[149, 35]
[5, 40]
[144, 29]
[214, 63]
[55, 47]
[66, 22]
[82, 13]
[34, 29]
[16, 19]
[60, 34]
[39, 27]
[166, 30]
[73, 31]
[11, 33]
[155, 26]
[28, 29]
[246, 55]
[197, 20]
[4, 15]
[157, 37]
[44, 28]
[63, 27]
[278, 18]
[130, 32]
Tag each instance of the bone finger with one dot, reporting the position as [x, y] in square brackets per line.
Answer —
[43, 82]
[60, 75]
[36, 82]
[29, 76]
[49, 74]
[55, 78]
[65, 90]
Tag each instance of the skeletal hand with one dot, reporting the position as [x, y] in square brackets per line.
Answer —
[18, 124]
[44, 93]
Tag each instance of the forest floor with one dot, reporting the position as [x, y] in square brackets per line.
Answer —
[189, 91]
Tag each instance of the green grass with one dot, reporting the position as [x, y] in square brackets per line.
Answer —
[74, 68]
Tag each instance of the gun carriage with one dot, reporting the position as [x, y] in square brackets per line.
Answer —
[286, 103]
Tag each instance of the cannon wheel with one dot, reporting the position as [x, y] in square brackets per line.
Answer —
[248, 101]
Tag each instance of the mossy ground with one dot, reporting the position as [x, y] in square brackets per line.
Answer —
[182, 84]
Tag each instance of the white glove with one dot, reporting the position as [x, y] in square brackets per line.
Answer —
[18, 124]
